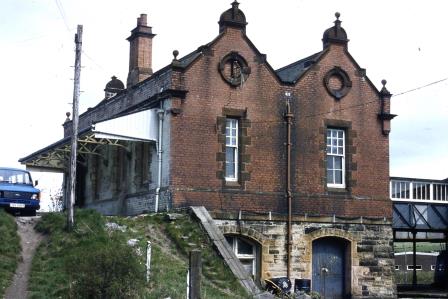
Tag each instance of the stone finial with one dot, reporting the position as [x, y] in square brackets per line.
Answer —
[68, 116]
[176, 64]
[175, 54]
[233, 17]
[384, 92]
[335, 34]
[235, 7]
[337, 22]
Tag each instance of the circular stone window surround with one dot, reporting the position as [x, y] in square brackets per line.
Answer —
[229, 61]
[340, 75]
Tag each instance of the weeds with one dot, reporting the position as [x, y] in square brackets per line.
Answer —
[96, 262]
[9, 250]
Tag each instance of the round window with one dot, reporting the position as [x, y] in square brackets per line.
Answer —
[234, 69]
[337, 83]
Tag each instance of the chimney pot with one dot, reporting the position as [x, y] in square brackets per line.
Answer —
[142, 21]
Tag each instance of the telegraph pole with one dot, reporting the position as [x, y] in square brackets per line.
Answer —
[74, 148]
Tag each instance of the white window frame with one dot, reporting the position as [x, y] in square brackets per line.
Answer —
[234, 244]
[400, 189]
[433, 267]
[422, 191]
[397, 267]
[329, 144]
[417, 267]
[232, 128]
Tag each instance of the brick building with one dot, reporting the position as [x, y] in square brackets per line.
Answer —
[293, 164]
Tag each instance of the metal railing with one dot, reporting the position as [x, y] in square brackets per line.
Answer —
[418, 190]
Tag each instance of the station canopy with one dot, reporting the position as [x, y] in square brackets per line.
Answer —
[140, 126]
[428, 221]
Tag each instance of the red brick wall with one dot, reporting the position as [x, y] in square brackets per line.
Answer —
[196, 169]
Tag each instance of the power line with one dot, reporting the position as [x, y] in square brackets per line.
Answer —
[64, 18]
[61, 11]
[370, 102]
[94, 62]
[417, 88]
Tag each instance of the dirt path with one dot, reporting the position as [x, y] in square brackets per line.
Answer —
[29, 240]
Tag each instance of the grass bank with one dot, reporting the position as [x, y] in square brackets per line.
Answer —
[9, 250]
[62, 255]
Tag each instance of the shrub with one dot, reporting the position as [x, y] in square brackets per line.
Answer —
[93, 262]
[104, 268]
[51, 223]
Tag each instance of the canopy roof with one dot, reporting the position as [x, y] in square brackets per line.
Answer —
[140, 126]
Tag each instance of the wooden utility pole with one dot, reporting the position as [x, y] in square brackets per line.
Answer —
[74, 148]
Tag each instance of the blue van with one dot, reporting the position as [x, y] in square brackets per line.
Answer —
[17, 192]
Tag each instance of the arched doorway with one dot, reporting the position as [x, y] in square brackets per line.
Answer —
[331, 267]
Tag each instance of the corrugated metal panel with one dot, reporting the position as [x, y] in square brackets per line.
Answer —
[137, 126]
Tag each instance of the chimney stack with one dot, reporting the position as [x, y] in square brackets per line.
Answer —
[140, 56]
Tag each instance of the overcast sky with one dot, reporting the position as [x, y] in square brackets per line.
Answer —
[401, 41]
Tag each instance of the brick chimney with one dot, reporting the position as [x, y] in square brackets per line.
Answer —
[140, 56]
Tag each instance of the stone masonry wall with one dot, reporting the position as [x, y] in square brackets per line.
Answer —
[371, 251]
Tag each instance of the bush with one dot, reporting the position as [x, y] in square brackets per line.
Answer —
[51, 223]
[104, 268]
[423, 277]
[93, 262]
[87, 262]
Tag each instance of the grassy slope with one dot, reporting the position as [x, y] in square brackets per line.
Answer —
[9, 250]
[421, 247]
[171, 242]
[405, 277]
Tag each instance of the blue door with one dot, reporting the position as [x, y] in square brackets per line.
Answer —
[329, 266]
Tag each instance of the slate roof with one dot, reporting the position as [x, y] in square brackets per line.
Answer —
[292, 72]
[189, 58]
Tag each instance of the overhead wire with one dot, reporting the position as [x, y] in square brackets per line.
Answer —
[92, 60]
[62, 13]
[420, 87]
[357, 105]
[64, 18]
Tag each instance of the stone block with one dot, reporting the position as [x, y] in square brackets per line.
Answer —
[364, 248]
[368, 262]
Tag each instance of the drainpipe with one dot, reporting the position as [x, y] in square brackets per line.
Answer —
[160, 113]
[288, 117]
